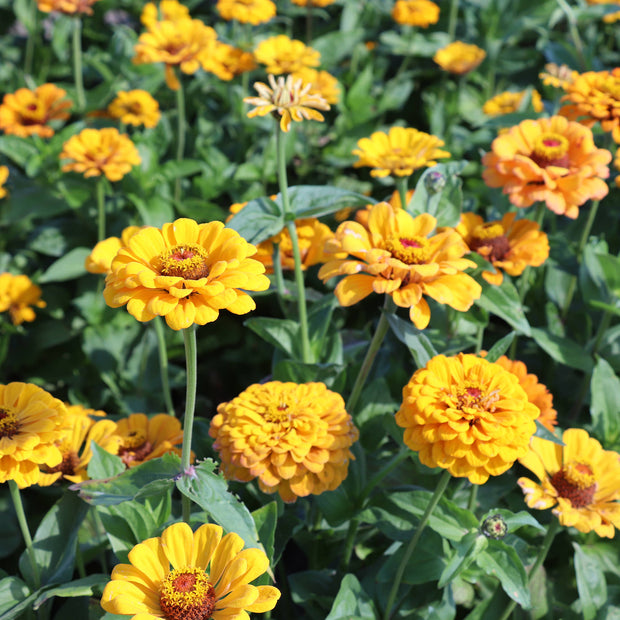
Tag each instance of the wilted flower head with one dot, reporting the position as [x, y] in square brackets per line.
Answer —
[579, 480]
[96, 152]
[459, 57]
[185, 575]
[466, 415]
[509, 102]
[135, 107]
[295, 438]
[421, 13]
[552, 160]
[288, 98]
[284, 55]
[19, 295]
[68, 7]
[247, 11]
[100, 259]
[29, 112]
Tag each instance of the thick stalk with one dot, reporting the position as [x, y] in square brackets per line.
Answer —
[23, 526]
[77, 64]
[191, 363]
[100, 191]
[437, 495]
[163, 364]
[180, 137]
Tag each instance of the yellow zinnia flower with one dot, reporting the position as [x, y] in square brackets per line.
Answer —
[247, 11]
[100, 259]
[183, 575]
[508, 245]
[4, 175]
[421, 13]
[459, 57]
[396, 256]
[508, 102]
[68, 7]
[96, 152]
[227, 61]
[284, 55]
[135, 107]
[552, 160]
[185, 272]
[289, 98]
[295, 438]
[466, 415]
[321, 83]
[319, 3]
[17, 295]
[579, 478]
[168, 10]
[398, 152]
[30, 423]
[28, 112]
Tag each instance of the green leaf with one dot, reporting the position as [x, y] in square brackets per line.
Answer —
[12, 592]
[68, 267]
[591, 583]
[360, 101]
[513, 520]
[467, 549]
[266, 519]
[210, 491]
[501, 561]
[352, 602]
[172, 169]
[563, 350]
[280, 333]
[103, 464]
[500, 347]
[413, 338]
[604, 388]
[544, 433]
[332, 375]
[18, 150]
[156, 211]
[79, 587]
[260, 219]
[503, 301]
[318, 200]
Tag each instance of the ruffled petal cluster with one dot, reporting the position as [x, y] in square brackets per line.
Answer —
[247, 11]
[19, 295]
[165, 10]
[467, 415]
[186, 272]
[295, 438]
[579, 480]
[185, 574]
[551, 160]
[282, 54]
[459, 57]
[396, 256]
[421, 13]
[135, 107]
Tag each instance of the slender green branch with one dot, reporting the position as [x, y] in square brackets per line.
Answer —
[23, 526]
[180, 137]
[191, 362]
[452, 19]
[163, 364]
[473, 498]
[100, 191]
[31, 40]
[574, 32]
[77, 64]
[309, 16]
[402, 186]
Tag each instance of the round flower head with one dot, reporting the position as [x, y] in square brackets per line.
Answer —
[168, 10]
[398, 152]
[295, 438]
[578, 479]
[396, 256]
[509, 102]
[185, 272]
[100, 259]
[68, 7]
[4, 175]
[17, 295]
[247, 11]
[321, 83]
[508, 245]
[552, 160]
[284, 55]
[30, 424]
[459, 57]
[28, 112]
[420, 13]
[288, 98]
[143, 438]
[185, 575]
[96, 152]
[227, 61]
[135, 107]
[466, 415]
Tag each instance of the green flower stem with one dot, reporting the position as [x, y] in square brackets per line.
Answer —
[23, 526]
[279, 277]
[473, 498]
[453, 15]
[572, 285]
[163, 364]
[402, 186]
[100, 191]
[180, 137]
[309, 17]
[79, 559]
[574, 32]
[554, 527]
[290, 226]
[77, 64]
[437, 495]
[191, 362]
[31, 40]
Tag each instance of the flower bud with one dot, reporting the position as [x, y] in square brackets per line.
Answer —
[434, 182]
[494, 527]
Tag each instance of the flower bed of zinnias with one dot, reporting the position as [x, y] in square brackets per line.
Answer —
[309, 309]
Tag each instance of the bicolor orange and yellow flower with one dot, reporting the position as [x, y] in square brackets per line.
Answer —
[19, 296]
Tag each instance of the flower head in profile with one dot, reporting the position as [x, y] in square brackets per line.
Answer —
[558, 76]
[398, 152]
[135, 107]
[510, 245]
[459, 57]
[168, 10]
[190, 575]
[31, 420]
[247, 11]
[186, 272]
[100, 259]
[284, 55]
[29, 112]
[397, 256]
[288, 99]
[321, 83]
[509, 102]
[96, 152]
[295, 438]
[551, 160]
[466, 415]
[68, 7]
[19, 296]
[421, 13]
[579, 480]
[4, 175]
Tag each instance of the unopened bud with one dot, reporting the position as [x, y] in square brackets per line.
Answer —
[434, 181]
[494, 527]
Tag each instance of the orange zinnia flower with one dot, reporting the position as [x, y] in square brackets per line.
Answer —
[28, 112]
[17, 295]
[420, 13]
[396, 256]
[135, 107]
[227, 61]
[68, 7]
[552, 160]
[459, 57]
[284, 55]
[508, 245]
[168, 10]
[247, 11]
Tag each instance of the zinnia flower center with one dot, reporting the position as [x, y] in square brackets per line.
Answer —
[135, 447]
[277, 414]
[8, 423]
[67, 467]
[472, 396]
[188, 261]
[576, 483]
[187, 594]
[551, 149]
[409, 250]
[490, 241]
